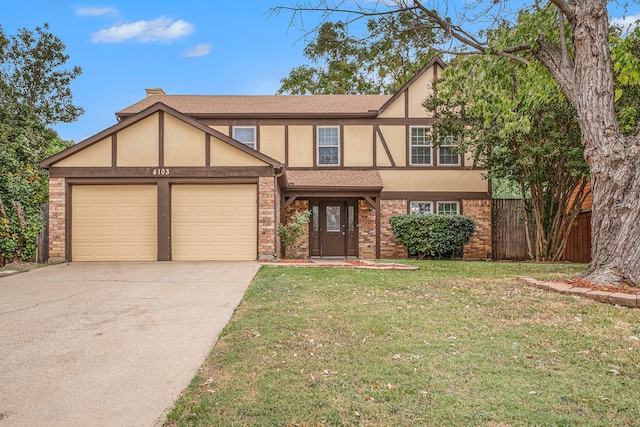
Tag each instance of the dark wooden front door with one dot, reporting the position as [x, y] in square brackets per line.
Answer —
[333, 230]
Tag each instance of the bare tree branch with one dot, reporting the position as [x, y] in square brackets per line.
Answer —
[563, 39]
[565, 7]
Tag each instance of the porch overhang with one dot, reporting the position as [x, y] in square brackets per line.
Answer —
[334, 184]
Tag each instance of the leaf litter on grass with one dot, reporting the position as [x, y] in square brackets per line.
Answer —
[339, 347]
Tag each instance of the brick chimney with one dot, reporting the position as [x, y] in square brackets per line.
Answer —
[155, 91]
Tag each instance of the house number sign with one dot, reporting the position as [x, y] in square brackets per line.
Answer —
[161, 171]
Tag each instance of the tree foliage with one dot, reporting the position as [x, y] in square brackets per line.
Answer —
[571, 40]
[394, 49]
[34, 93]
[516, 123]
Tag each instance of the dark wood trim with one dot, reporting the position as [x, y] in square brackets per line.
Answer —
[286, 145]
[164, 220]
[442, 196]
[375, 147]
[257, 135]
[171, 181]
[68, 195]
[385, 121]
[207, 150]
[168, 172]
[341, 147]
[406, 103]
[114, 150]
[378, 226]
[320, 194]
[385, 146]
[161, 139]
[315, 146]
[368, 168]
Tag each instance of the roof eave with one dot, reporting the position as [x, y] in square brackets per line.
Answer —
[200, 116]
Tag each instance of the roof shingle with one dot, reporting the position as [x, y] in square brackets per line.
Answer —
[334, 179]
[212, 105]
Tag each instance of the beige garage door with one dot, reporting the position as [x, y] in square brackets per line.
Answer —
[114, 223]
[214, 222]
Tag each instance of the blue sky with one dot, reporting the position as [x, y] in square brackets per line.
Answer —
[184, 47]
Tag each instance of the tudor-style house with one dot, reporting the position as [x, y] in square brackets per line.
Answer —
[184, 177]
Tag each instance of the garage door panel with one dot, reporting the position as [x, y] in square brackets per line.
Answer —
[114, 223]
[214, 222]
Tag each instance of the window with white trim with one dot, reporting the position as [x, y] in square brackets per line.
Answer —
[246, 135]
[421, 208]
[448, 208]
[421, 145]
[446, 153]
[328, 146]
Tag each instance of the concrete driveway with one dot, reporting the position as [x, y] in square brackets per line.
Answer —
[109, 344]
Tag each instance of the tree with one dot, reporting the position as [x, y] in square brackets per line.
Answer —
[394, 50]
[34, 94]
[576, 52]
[519, 127]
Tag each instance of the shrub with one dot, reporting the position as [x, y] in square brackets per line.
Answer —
[433, 236]
[291, 233]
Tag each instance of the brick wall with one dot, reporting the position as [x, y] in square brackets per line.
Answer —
[299, 205]
[267, 219]
[56, 219]
[480, 244]
[366, 230]
[389, 246]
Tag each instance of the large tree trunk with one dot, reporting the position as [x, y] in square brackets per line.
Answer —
[614, 160]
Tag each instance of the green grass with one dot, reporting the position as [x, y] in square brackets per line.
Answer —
[455, 343]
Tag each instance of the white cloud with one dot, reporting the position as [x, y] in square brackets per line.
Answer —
[202, 49]
[96, 11]
[626, 22]
[160, 29]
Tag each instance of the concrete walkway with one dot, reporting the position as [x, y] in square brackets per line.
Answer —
[109, 344]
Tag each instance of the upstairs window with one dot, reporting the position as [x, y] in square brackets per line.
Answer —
[448, 208]
[246, 135]
[328, 146]
[421, 145]
[446, 153]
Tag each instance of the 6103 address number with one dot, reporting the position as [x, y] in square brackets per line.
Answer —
[161, 171]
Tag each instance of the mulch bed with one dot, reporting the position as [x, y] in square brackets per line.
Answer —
[582, 283]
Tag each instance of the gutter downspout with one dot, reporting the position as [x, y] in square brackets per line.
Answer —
[275, 210]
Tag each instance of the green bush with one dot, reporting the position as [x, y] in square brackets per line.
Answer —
[291, 233]
[433, 236]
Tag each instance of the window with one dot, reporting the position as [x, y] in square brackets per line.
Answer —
[421, 146]
[246, 135]
[446, 153]
[421, 208]
[328, 146]
[448, 208]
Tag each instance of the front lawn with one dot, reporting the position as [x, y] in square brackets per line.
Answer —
[455, 343]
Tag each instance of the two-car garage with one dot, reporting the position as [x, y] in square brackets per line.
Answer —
[120, 222]
[161, 186]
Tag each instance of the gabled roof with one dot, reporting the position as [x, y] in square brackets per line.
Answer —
[265, 106]
[403, 89]
[152, 109]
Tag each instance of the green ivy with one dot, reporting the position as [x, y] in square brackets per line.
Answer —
[433, 236]
[291, 233]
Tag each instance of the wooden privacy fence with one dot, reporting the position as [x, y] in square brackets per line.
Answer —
[509, 238]
[42, 241]
[579, 241]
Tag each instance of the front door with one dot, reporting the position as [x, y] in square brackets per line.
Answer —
[333, 228]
